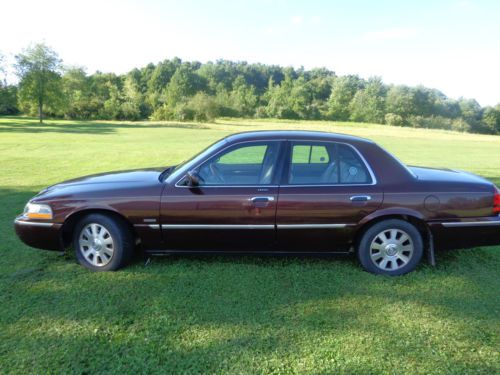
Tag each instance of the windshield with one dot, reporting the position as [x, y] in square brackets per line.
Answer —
[186, 165]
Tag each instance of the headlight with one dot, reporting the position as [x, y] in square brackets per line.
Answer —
[37, 211]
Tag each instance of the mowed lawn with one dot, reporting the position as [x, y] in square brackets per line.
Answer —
[234, 314]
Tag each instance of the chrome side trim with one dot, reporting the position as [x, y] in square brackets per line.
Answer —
[324, 185]
[217, 226]
[33, 223]
[310, 226]
[247, 226]
[471, 224]
[151, 226]
[224, 186]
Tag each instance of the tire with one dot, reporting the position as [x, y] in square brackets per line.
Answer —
[391, 247]
[102, 243]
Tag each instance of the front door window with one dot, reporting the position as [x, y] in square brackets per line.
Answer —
[247, 164]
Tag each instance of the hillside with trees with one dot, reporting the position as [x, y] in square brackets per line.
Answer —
[185, 91]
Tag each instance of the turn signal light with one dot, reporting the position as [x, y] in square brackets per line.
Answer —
[38, 211]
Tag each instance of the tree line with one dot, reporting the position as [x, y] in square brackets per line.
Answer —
[192, 91]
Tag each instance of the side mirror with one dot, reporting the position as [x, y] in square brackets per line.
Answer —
[193, 178]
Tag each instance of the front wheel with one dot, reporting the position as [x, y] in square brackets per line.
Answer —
[102, 243]
[390, 247]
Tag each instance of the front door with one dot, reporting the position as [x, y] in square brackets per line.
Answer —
[326, 190]
[232, 208]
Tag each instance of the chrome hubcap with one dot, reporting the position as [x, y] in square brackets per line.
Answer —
[96, 244]
[391, 249]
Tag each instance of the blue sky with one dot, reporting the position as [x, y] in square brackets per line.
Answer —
[452, 45]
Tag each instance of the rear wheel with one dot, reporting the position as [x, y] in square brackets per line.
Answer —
[390, 247]
[102, 243]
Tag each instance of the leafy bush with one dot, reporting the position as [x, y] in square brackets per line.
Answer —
[393, 119]
[439, 122]
[200, 107]
[203, 107]
[459, 124]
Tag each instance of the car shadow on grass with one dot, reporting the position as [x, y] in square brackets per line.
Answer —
[30, 125]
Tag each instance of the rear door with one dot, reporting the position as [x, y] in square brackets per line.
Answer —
[327, 188]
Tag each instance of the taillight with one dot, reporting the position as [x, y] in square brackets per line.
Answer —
[496, 202]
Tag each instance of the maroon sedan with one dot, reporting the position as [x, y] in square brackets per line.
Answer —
[270, 192]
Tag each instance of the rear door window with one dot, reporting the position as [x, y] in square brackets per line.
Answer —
[327, 163]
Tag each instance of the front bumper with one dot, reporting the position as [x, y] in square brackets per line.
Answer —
[39, 234]
[465, 233]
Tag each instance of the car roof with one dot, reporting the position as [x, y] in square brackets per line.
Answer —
[294, 134]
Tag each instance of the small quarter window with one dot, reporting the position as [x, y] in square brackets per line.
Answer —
[309, 154]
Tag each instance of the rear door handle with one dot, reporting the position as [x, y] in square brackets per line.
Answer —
[360, 198]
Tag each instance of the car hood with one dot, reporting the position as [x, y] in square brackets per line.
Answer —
[103, 182]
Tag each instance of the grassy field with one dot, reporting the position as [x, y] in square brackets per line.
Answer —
[234, 314]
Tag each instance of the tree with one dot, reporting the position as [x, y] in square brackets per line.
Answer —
[183, 85]
[79, 100]
[177, 90]
[343, 91]
[242, 98]
[491, 119]
[159, 78]
[112, 106]
[280, 103]
[368, 103]
[132, 104]
[471, 112]
[400, 101]
[8, 93]
[424, 101]
[38, 68]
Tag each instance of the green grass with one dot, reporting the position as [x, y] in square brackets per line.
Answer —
[234, 314]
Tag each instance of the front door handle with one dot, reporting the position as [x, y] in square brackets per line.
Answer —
[360, 198]
[261, 199]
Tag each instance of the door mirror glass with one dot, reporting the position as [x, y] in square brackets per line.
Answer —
[193, 178]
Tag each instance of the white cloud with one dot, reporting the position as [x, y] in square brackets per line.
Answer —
[390, 34]
[297, 20]
[316, 20]
[466, 5]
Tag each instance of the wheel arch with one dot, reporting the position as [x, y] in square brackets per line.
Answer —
[413, 217]
[71, 221]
